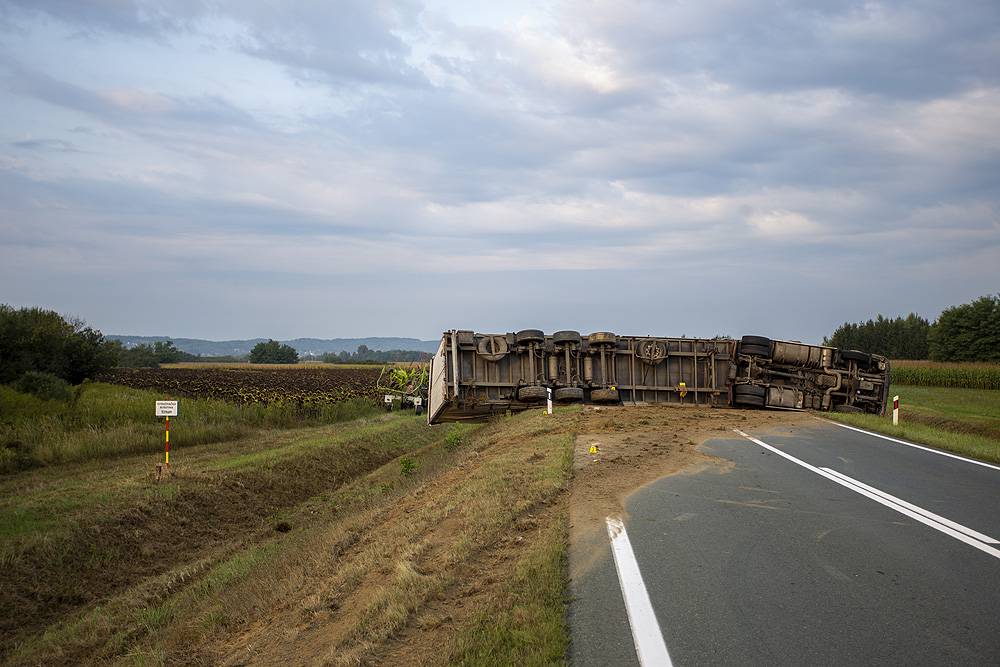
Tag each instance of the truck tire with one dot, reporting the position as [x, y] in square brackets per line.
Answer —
[567, 337]
[604, 396]
[568, 394]
[756, 346]
[532, 394]
[602, 338]
[749, 395]
[530, 336]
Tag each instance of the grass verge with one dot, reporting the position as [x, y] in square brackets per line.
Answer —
[963, 421]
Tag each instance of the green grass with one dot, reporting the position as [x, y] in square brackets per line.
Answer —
[526, 623]
[964, 421]
[104, 420]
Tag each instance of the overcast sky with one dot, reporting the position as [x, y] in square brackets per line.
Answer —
[232, 169]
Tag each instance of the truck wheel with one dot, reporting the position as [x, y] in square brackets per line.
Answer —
[749, 395]
[567, 337]
[604, 396]
[757, 346]
[568, 394]
[532, 394]
[602, 338]
[530, 336]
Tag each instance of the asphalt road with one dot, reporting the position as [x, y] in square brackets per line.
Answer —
[770, 562]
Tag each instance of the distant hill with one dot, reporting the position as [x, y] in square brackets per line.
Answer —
[315, 346]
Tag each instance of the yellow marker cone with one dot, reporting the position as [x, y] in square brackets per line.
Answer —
[683, 389]
[593, 449]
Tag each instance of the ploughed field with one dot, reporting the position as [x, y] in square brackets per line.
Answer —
[253, 385]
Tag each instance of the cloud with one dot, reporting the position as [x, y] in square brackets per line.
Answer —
[601, 153]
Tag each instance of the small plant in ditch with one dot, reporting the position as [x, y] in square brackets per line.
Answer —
[407, 466]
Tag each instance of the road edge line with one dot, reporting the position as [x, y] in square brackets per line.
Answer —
[910, 444]
[646, 634]
[898, 508]
[974, 534]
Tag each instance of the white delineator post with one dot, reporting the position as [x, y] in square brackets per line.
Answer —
[549, 389]
[895, 410]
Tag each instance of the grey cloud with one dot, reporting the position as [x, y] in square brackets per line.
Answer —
[895, 49]
[57, 145]
[133, 17]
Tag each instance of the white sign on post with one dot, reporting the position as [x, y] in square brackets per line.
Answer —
[166, 408]
[388, 398]
[418, 401]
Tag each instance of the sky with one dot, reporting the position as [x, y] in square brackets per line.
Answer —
[239, 168]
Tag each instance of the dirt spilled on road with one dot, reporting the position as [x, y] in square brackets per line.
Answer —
[620, 449]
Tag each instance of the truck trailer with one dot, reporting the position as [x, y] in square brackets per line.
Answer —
[475, 375]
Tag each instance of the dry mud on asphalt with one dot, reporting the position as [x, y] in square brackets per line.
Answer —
[636, 446]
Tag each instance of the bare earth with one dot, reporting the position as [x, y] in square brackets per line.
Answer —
[636, 446]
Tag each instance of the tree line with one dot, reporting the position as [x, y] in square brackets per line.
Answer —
[967, 332]
[364, 354]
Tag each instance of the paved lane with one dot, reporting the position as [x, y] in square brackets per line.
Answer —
[769, 563]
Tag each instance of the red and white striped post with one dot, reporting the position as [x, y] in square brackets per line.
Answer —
[895, 410]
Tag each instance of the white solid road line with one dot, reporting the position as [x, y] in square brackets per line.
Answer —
[910, 444]
[853, 485]
[919, 510]
[649, 645]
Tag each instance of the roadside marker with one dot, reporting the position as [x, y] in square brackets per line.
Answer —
[895, 410]
[165, 409]
[549, 390]
[649, 645]
[961, 533]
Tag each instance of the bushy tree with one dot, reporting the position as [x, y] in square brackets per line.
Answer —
[33, 339]
[273, 352]
[969, 332]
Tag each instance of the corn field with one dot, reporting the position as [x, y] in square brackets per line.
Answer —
[943, 374]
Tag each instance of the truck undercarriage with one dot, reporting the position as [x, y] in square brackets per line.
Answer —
[473, 375]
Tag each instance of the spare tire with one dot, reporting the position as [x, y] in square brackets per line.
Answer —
[757, 346]
[604, 396]
[530, 336]
[602, 338]
[567, 337]
[532, 394]
[568, 394]
[749, 395]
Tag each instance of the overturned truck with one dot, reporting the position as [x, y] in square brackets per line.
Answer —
[473, 375]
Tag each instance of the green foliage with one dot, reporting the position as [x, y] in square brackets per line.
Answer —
[406, 379]
[366, 355]
[933, 374]
[455, 436]
[969, 332]
[407, 466]
[43, 385]
[108, 420]
[273, 352]
[32, 339]
[151, 356]
[899, 338]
